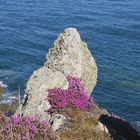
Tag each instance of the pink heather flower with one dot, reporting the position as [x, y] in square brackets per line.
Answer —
[24, 128]
[75, 96]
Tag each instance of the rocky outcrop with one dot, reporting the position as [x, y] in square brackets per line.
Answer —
[69, 56]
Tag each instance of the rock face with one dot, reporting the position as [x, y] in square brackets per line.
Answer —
[35, 102]
[69, 56]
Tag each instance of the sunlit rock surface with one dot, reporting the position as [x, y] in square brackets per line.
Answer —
[71, 56]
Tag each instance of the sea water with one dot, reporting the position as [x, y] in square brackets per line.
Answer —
[111, 29]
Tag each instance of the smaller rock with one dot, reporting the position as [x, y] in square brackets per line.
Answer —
[102, 128]
[57, 121]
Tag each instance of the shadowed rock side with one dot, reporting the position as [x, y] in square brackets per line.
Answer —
[119, 128]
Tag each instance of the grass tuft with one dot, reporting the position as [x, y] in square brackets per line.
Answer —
[81, 125]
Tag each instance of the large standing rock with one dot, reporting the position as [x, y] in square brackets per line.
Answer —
[71, 56]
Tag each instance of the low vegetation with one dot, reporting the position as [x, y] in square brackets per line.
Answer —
[81, 125]
[25, 128]
[75, 96]
[74, 103]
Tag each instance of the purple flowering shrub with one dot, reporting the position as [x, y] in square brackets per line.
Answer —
[26, 128]
[75, 96]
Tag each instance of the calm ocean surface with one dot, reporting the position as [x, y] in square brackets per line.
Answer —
[111, 29]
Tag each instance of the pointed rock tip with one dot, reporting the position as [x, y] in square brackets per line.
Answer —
[71, 31]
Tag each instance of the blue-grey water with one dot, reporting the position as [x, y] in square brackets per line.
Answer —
[111, 29]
